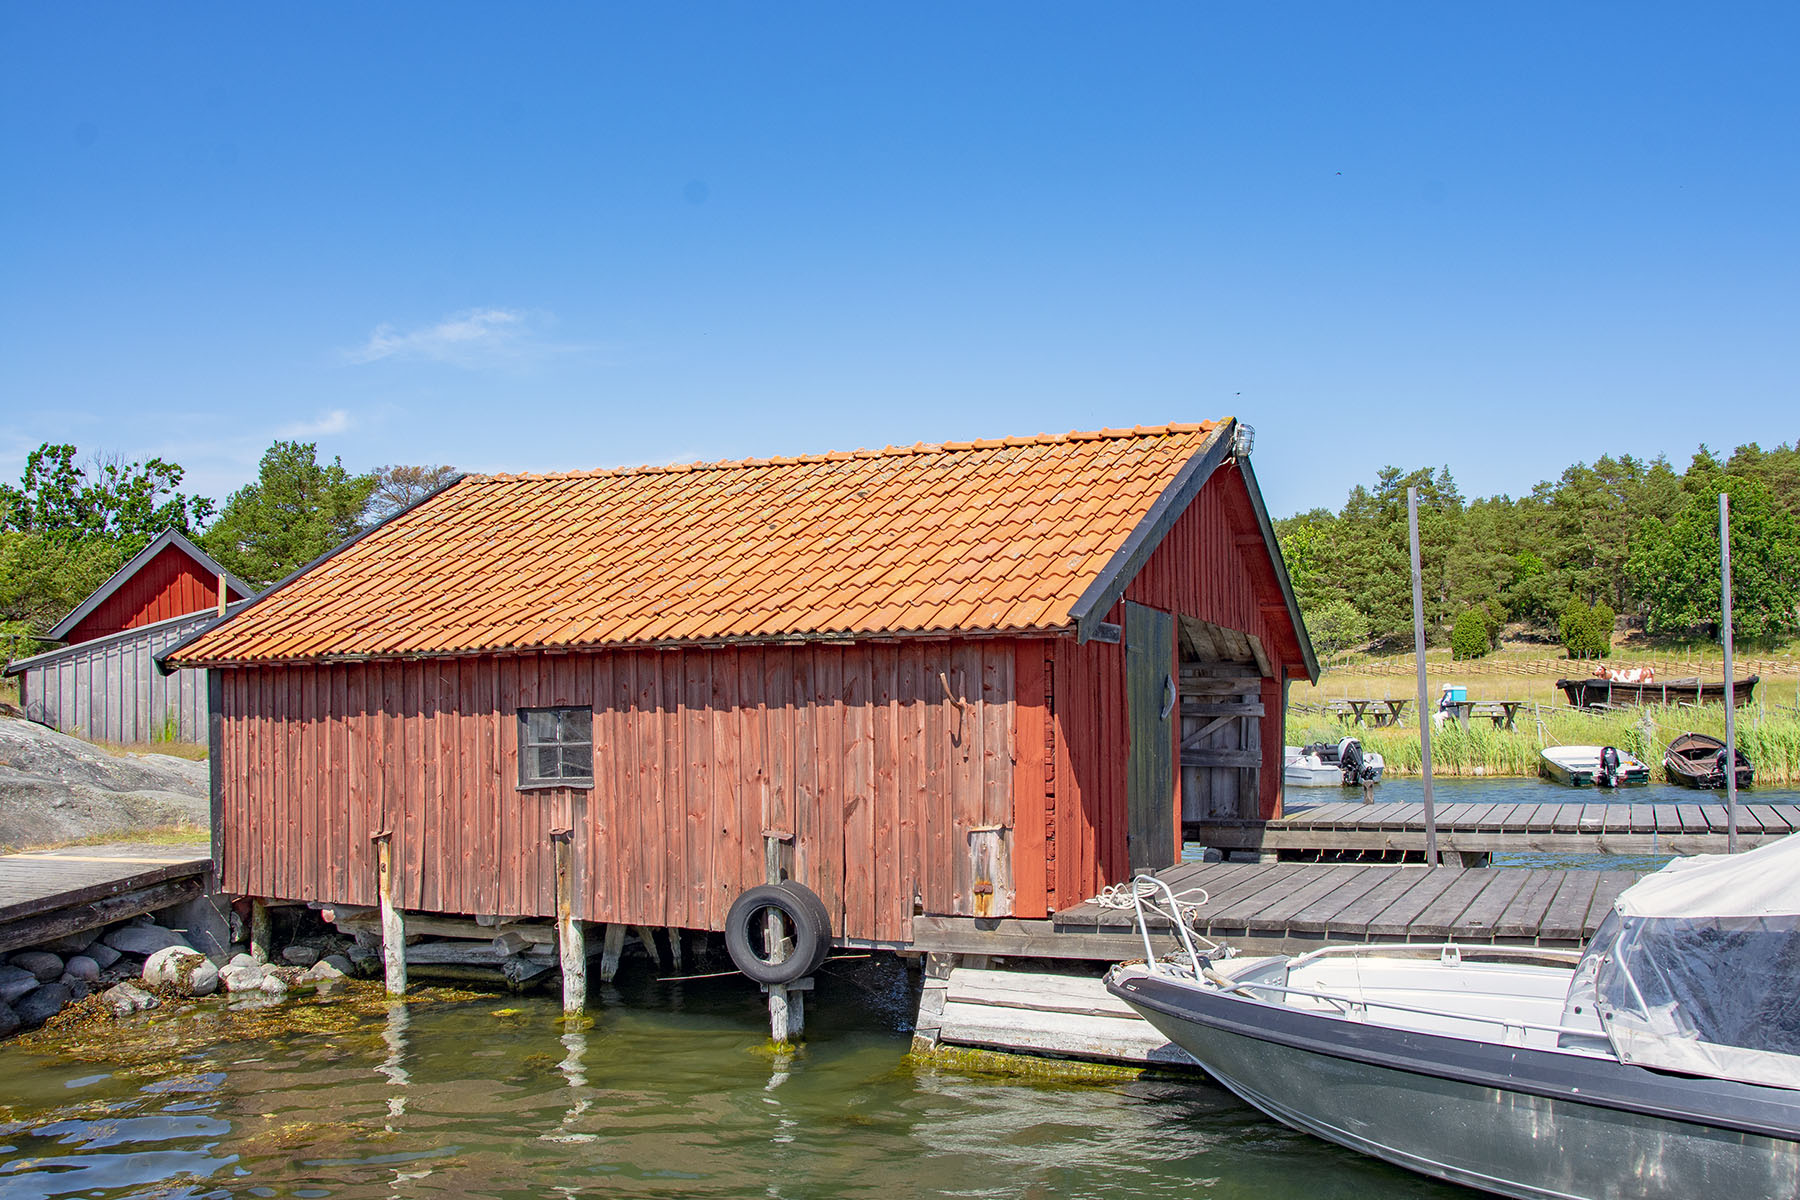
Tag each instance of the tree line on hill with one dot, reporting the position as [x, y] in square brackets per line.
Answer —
[71, 522]
[1620, 538]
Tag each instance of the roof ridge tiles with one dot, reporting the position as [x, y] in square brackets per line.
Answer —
[841, 456]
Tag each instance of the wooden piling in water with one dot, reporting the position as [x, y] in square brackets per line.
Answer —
[393, 921]
[261, 934]
[611, 948]
[571, 934]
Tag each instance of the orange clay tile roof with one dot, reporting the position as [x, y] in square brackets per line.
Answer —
[986, 536]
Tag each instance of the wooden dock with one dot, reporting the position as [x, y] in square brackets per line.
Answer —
[49, 893]
[1563, 827]
[1290, 908]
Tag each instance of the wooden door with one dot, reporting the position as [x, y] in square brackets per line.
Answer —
[1150, 698]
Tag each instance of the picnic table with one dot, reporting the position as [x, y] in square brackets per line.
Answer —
[1501, 712]
[1382, 711]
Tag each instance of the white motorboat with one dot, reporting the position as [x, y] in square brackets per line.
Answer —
[1662, 1063]
[1320, 764]
[1602, 766]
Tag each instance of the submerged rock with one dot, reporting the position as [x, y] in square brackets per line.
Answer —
[145, 939]
[126, 998]
[9, 1020]
[326, 979]
[46, 966]
[43, 1004]
[184, 969]
[274, 987]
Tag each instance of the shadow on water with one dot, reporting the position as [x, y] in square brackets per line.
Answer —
[667, 1090]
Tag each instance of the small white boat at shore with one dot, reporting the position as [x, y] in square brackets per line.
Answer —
[1601, 766]
[1320, 764]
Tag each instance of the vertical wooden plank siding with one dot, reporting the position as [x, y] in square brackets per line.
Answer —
[879, 759]
[1028, 782]
[169, 585]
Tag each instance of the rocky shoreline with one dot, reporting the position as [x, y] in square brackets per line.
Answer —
[137, 965]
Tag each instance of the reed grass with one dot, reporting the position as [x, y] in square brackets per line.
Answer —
[1770, 739]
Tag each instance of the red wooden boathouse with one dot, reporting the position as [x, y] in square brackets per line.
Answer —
[944, 679]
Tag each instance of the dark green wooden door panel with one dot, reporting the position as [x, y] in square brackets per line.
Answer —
[1151, 705]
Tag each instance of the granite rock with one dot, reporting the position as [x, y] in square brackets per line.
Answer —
[102, 954]
[300, 956]
[46, 966]
[15, 982]
[82, 967]
[186, 970]
[9, 1020]
[241, 977]
[42, 1004]
[145, 939]
[126, 998]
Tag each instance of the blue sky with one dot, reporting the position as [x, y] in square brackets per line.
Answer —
[547, 237]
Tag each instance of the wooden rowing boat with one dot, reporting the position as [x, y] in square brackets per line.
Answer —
[1697, 760]
[1597, 692]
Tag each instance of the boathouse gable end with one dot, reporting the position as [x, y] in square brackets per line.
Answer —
[879, 685]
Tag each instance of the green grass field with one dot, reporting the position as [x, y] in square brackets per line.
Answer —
[1768, 729]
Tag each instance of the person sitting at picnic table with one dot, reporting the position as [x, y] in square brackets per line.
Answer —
[1445, 708]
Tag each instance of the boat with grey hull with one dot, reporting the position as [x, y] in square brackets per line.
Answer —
[1508, 1119]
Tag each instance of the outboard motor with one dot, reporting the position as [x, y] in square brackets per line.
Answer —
[1608, 774]
[1350, 760]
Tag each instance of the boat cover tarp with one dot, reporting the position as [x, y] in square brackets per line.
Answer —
[1698, 967]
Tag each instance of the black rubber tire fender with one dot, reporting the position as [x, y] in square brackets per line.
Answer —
[748, 908]
[821, 914]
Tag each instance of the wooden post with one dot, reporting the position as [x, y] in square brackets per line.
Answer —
[613, 946]
[1418, 590]
[649, 941]
[787, 1001]
[674, 935]
[222, 593]
[393, 921]
[571, 934]
[1731, 800]
[260, 931]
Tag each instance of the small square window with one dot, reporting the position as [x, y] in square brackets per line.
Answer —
[556, 747]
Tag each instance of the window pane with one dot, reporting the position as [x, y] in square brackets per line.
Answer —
[546, 762]
[541, 725]
[577, 724]
[578, 762]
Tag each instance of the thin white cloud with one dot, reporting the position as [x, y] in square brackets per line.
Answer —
[335, 421]
[480, 337]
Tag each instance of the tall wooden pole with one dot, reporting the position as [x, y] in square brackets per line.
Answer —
[1731, 822]
[1412, 529]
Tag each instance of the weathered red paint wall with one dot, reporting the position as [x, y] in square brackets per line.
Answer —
[170, 585]
[879, 759]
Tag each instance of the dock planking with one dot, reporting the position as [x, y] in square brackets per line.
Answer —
[1694, 827]
[45, 894]
[1269, 908]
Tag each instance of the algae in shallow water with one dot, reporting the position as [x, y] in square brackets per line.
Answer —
[1022, 1067]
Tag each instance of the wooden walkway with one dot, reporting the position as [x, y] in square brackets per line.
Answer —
[1289, 908]
[47, 894]
[1562, 827]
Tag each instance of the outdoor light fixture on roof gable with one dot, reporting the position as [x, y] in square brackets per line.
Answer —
[1242, 440]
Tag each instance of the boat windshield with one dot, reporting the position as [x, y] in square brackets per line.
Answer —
[1695, 969]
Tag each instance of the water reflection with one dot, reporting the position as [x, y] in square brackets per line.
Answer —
[506, 1098]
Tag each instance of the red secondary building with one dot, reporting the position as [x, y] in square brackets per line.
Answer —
[941, 679]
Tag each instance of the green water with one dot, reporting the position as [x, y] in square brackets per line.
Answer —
[670, 1090]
